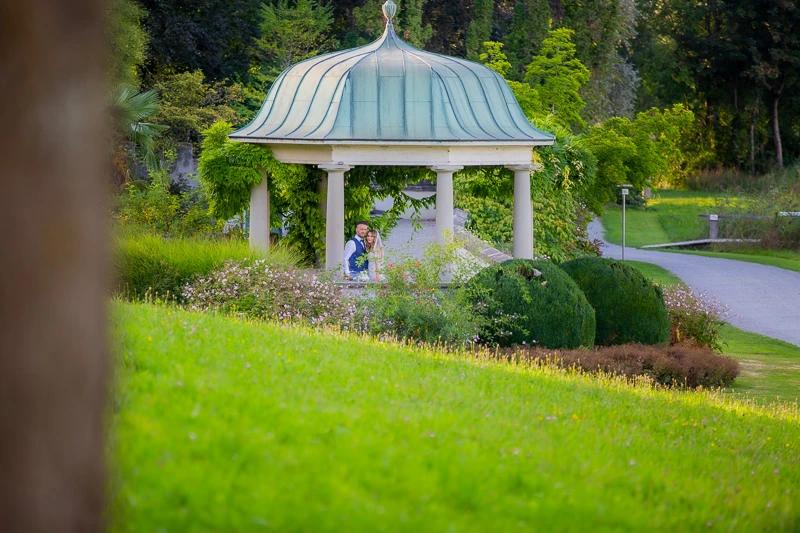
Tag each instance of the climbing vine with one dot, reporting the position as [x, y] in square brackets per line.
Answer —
[230, 169]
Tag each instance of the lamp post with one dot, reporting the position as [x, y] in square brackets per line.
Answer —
[624, 187]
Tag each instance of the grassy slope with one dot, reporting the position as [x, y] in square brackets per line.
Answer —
[226, 426]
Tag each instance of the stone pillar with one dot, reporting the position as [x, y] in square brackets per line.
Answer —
[444, 201]
[334, 219]
[259, 216]
[523, 211]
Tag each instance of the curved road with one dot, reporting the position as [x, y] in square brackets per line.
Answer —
[762, 299]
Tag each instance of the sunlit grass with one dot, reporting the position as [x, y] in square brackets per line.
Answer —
[228, 426]
[770, 367]
[672, 216]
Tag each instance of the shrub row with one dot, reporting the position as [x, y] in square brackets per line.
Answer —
[524, 302]
[587, 301]
[672, 366]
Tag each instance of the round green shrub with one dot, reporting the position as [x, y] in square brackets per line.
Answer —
[524, 301]
[628, 308]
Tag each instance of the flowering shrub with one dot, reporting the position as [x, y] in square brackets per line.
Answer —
[411, 304]
[695, 320]
[256, 290]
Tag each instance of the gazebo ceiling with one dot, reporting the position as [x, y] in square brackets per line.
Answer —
[391, 94]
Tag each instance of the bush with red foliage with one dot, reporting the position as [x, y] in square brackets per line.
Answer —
[672, 366]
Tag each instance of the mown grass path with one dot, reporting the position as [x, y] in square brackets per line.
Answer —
[220, 425]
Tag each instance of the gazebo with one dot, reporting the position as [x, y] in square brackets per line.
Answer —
[388, 103]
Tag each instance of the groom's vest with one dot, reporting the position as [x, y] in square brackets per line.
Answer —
[361, 250]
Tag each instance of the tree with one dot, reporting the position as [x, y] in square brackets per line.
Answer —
[54, 368]
[493, 57]
[451, 20]
[216, 37]
[528, 29]
[480, 29]
[557, 75]
[127, 41]
[292, 33]
[407, 23]
[772, 32]
[189, 105]
[129, 108]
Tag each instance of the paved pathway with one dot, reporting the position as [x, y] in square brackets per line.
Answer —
[762, 299]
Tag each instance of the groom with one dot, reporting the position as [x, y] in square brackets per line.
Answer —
[355, 253]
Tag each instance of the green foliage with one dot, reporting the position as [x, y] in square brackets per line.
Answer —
[189, 105]
[480, 28]
[411, 26]
[411, 305]
[628, 308]
[258, 290]
[533, 302]
[408, 22]
[157, 209]
[292, 33]
[559, 217]
[216, 37]
[488, 219]
[149, 265]
[129, 108]
[557, 75]
[627, 152]
[694, 320]
[531, 20]
[493, 57]
[229, 170]
[670, 130]
[127, 41]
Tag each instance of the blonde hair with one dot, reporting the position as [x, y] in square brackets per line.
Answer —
[370, 245]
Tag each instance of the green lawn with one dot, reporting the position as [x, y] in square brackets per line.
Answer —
[770, 367]
[671, 216]
[221, 425]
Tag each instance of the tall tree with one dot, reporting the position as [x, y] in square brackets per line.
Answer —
[529, 27]
[772, 31]
[451, 20]
[291, 33]
[558, 75]
[480, 29]
[214, 36]
[127, 41]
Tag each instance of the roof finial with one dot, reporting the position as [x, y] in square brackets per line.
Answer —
[389, 10]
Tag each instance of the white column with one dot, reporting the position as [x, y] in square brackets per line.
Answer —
[334, 219]
[444, 201]
[259, 216]
[523, 211]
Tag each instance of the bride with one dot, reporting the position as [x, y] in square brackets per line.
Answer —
[374, 254]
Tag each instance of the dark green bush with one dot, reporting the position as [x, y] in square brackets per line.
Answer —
[628, 308]
[523, 301]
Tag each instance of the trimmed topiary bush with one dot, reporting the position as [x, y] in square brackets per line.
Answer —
[628, 308]
[523, 301]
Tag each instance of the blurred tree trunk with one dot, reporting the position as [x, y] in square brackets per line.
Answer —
[53, 353]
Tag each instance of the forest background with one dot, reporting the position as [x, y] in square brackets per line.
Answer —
[649, 92]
